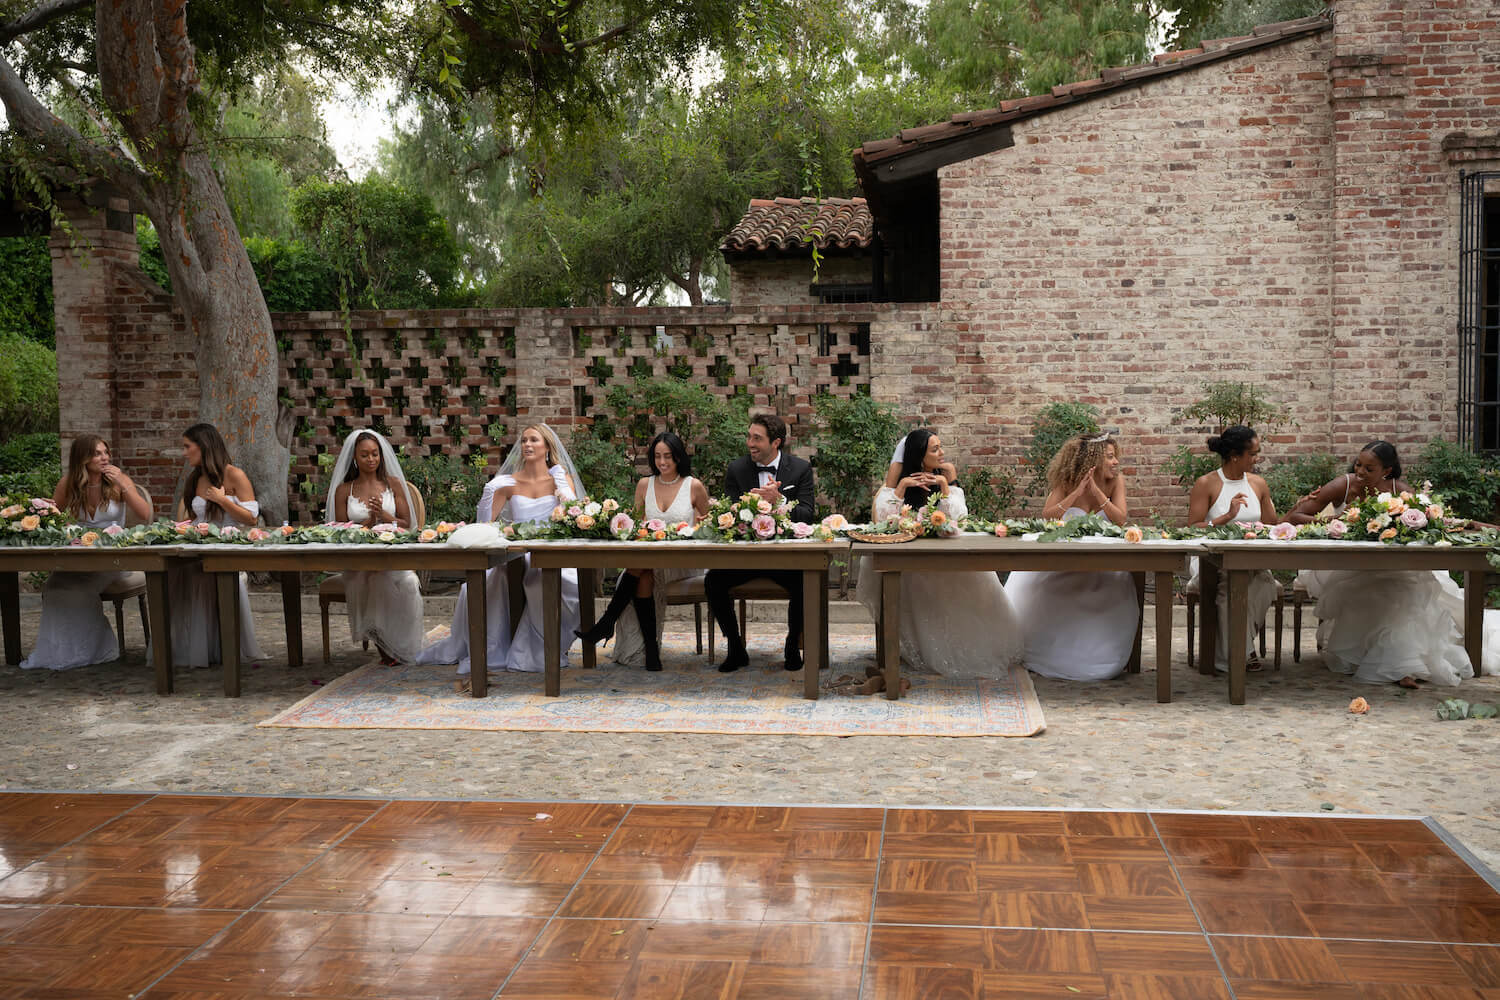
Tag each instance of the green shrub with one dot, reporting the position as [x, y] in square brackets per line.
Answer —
[26, 289]
[1186, 466]
[712, 428]
[39, 482]
[1054, 424]
[28, 386]
[854, 438]
[604, 467]
[26, 452]
[293, 277]
[1294, 478]
[1225, 404]
[450, 487]
[1469, 481]
[989, 493]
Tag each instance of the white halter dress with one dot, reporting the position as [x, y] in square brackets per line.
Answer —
[1263, 585]
[74, 630]
[630, 648]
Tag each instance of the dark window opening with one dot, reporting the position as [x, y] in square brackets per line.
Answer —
[1479, 312]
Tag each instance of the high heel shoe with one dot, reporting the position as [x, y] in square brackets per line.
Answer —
[605, 626]
[645, 613]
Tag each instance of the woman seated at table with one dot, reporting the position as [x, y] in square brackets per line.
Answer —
[535, 477]
[1234, 493]
[954, 624]
[638, 608]
[74, 631]
[1079, 626]
[217, 493]
[1385, 626]
[368, 488]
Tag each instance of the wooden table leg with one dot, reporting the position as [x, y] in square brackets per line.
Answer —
[1134, 666]
[812, 631]
[551, 626]
[479, 633]
[890, 613]
[515, 590]
[1208, 615]
[228, 585]
[161, 630]
[1474, 617]
[586, 581]
[291, 613]
[1163, 637]
[10, 613]
[825, 662]
[1238, 632]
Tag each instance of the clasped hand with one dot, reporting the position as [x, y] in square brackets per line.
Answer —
[923, 480]
[771, 491]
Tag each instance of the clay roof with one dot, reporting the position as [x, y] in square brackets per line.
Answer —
[796, 224]
[872, 156]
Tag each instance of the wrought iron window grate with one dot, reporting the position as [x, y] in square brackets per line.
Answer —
[1479, 311]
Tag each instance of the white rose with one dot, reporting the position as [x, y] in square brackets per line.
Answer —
[593, 509]
[747, 515]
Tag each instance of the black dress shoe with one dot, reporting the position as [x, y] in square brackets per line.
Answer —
[793, 658]
[737, 658]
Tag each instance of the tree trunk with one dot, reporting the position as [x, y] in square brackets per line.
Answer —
[147, 72]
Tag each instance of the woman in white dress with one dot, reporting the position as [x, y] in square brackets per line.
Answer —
[216, 493]
[954, 624]
[368, 488]
[1386, 626]
[535, 477]
[74, 631]
[1234, 493]
[1079, 626]
[639, 603]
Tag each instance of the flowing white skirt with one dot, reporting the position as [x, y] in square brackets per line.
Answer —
[195, 618]
[386, 608]
[630, 648]
[525, 651]
[1384, 626]
[1078, 626]
[1263, 591]
[74, 630]
[954, 624]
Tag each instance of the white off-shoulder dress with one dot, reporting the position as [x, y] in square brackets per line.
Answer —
[385, 607]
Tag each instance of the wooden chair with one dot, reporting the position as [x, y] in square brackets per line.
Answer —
[1190, 598]
[1300, 596]
[129, 585]
[334, 590]
[690, 591]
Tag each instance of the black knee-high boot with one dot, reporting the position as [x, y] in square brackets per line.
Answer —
[645, 614]
[605, 626]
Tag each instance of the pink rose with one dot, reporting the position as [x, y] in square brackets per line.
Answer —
[113, 530]
[764, 526]
[656, 524]
[801, 530]
[764, 506]
[575, 510]
[1434, 512]
[1337, 529]
[229, 531]
[1413, 518]
[1283, 532]
[204, 527]
[836, 522]
[257, 534]
[621, 524]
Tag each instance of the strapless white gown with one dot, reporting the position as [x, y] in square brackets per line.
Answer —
[74, 630]
[954, 624]
[1079, 626]
[525, 651]
[195, 603]
[384, 607]
[629, 647]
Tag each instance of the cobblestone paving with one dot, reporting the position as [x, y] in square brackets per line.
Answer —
[1293, 748]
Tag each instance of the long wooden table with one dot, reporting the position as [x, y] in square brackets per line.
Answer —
[1237, 560]
[810, 557]
[291, 561]
[18, 559]
[970, 553]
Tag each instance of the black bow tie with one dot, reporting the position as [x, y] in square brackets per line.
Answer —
[769, 469]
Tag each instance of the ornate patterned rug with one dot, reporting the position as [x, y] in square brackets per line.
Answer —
[689, 696]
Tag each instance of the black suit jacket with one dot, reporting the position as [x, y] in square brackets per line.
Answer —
[796, 478]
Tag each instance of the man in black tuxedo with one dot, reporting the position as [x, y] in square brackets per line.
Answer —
[780, 477]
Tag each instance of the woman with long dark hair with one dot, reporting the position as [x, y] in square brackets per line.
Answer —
[954, 624]
[98, 495]
[636, 612]
[216, 492]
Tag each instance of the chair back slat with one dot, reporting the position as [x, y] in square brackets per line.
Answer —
[131, 517]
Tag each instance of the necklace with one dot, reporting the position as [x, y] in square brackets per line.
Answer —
[668, 482]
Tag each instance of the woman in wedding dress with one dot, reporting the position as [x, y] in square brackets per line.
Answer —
[1234, 493]
[1079, 626]
[367, 488]
[535, 477]
[638, 607]
[1386, 626]
[74, 631]
[954, 624]
[216, 493]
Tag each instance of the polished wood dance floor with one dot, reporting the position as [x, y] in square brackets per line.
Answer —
[229, 898]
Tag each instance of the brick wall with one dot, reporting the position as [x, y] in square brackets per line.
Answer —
[785, 280]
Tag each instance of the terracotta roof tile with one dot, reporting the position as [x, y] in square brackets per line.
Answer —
[968, 123]
[795, 224]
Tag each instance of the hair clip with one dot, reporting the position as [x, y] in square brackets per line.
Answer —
[1095, 440]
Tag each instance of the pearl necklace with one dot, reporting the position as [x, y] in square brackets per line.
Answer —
[667, 482]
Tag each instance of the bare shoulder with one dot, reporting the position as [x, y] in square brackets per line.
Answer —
[235, 476]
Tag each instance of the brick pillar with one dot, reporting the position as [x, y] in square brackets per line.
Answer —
[544, 370]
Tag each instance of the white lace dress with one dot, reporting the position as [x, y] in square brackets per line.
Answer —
[525, 651]
[384, 607]
[1079, 626]
[195, 602]
[1263, 586]
[630, 648]
[954, 624]
[74, 630]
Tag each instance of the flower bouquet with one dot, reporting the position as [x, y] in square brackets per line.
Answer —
[1403, 518]
[580, 518]
[750, 519]
[906, 524]
[35, 521]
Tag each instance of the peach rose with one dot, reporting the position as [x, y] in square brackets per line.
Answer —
[257, 534]
[726, 521]
[1001, 531]
[30, 522]
[660, 536]
[938, 519]
[1133, 534]
[1249, 534]
[89, 538]
[446, 528]
[585, 522]
[12, 511]
[287, 529]
[1387, 534]
[427, 535]
[1359, 706]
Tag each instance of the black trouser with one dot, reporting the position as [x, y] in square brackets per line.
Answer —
[717, 584]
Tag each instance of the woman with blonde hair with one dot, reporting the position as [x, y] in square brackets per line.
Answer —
[74, 631]
[1079, 626]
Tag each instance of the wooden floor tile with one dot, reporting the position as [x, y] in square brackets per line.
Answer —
[1335, 856]
[638, 900]
[914, 982]
[1147, 954]
[266, 932]
[1251, 913]
[633, 868]
[930, 845]
[123, 967]
[1481, 964]
[1166, 987]
[928, 875]
[716, 902]
[835, 845]
[818, 946]
[843, 874]
[1421, 858]
[1042, 951]
[952, 821]
[1019, 822]
[590, 941]
[1278, 958]
[1254, 989]
[678, 979]
[1397, 962]
[1140, 913]
[496, 899]
[653, 841]
[1215, 852]
[1310, 829]
[937, 947]
[1022, 848]
[701, 940]
[1010, 985]
[1346, 886]
[1365, 920]
[1148, 879]
[1032, 909]
[566, 980]
[828, 904]
[1027, 878]
[1172, 825]
[1108, 824]
[927, 908]
[773, 982]
[668, 815]
[449, 977]
[1132, 850]
[756, 870]
[1363, 830]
